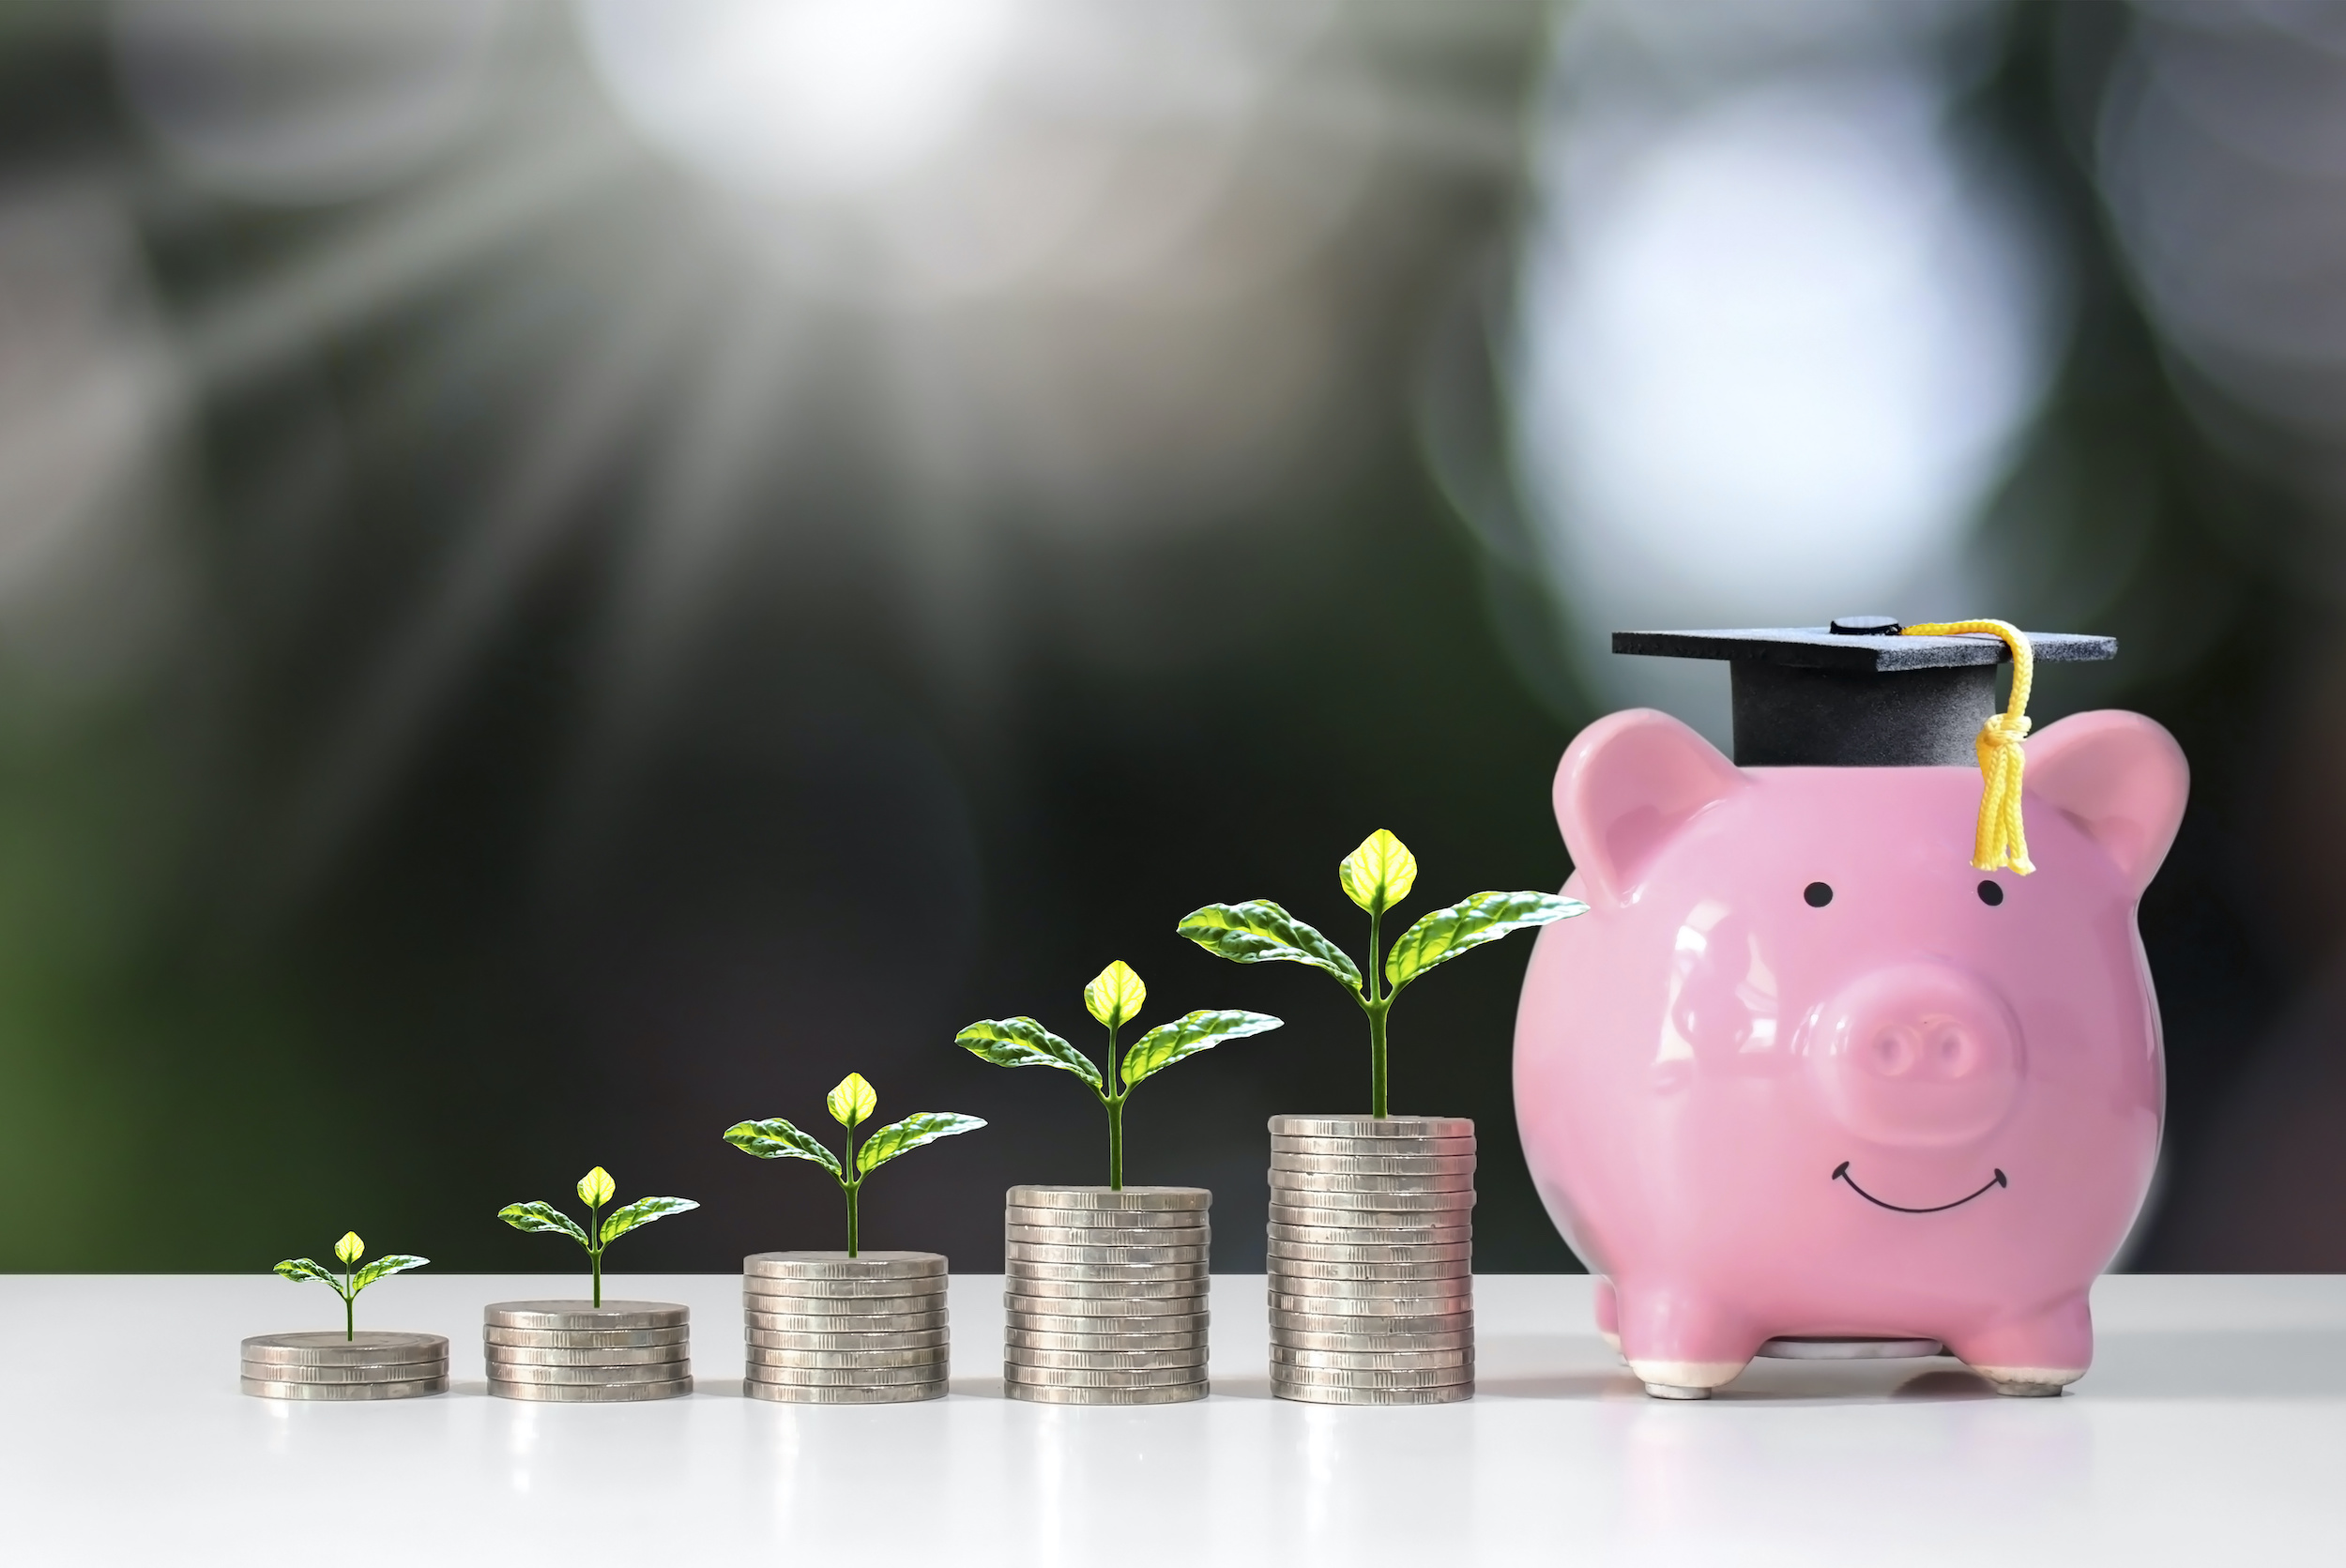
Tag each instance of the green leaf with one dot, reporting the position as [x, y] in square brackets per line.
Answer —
[642, 1212]
[1259, 932]
[350, 1249]
[1023, 1042]
[1444, 935]
[776, 1139]
[1379, 874]
[1168, 1043]
[915, 1129]
[544, 1217]
[596, 1187]
[852, 1100]
[299, 1268]
[1115, 994]
[382, 1268]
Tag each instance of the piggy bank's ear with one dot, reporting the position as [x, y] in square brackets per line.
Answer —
[1626, 785]
[2118, 776]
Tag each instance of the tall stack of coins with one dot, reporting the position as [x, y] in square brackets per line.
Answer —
[827, 1329]
[1371, 1259]
[326, 1365]
[576, 1353]
[1105, 1295]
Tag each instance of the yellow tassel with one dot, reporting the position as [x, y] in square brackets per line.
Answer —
[2001, 839]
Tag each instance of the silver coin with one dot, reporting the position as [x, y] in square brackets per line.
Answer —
[1338, 1263]
[589, 1394]
[853, 1306]
[1182, 1283]
[1051, 1323]
[1361, 1378]
[1018, 1308]
[1324, 1293]
[839, 1266]
[1310, 1393]
[1388, 1329]
[585, 1339]
[1349, 1209]
[1103, 1377]
[1042, 1393]
[1102, 1198]
[1102, 1361]
[1196, 1236]
[654, 1371]
[586, 1315]
[927, 1355]
[1369, 1148]
[1125, 1219]
[1305, 1268]
[1371, 1360]
[1031, 1252]
[910, 1339]
[840, 1377]
[632, 1355]
[340, 1393]
[1371, 1127]
[1405, 1166]
[374, 1347]
[1314, 1182]
[1407, 1231]
[1431, 1307]
[1020, 1271]
[1044, 1339]
[845, 1291]
[1296, 1338]
[295, 1372]
[894, 1322]
[809, 1393]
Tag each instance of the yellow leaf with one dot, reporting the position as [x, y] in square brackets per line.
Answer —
[596, 1187]
[1115, 994]
[1379, 874]
[350, 1249]
[852, 1100]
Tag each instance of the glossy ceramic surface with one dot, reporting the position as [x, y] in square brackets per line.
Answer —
[1797, 1073]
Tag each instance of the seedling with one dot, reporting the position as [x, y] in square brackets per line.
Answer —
[595, 1189]
[850, 1104]
[1114, 999]
[1376, 875]
[348, 1251]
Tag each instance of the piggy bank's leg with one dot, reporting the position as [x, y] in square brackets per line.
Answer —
[1607, 1314]
[1682, 1345]
[2035, 1355]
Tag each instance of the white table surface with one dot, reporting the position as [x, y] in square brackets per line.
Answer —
[2211, 1430]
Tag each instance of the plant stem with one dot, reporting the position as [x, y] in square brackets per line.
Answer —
[594, 1251]
[350, 1310]
[850, 1188]
[1376, 1007]
[1114, 1100]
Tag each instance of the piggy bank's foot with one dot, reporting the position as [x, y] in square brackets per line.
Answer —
[1682, 1380]
[2030, 1382]
[1676, 1391]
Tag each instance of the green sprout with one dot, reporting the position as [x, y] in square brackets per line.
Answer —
[1376, 875]
[348, 1251]
[851, 1104]
[595, 1189]
[1114, 999]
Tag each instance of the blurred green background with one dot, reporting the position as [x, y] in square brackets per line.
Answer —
[569, 573]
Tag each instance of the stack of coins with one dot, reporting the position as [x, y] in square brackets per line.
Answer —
[827, 1329]
[326, 1365]
[1371, 1259]
[577, 1353]
[1104, 1294]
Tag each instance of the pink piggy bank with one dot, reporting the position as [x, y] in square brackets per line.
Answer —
[1802, 1075]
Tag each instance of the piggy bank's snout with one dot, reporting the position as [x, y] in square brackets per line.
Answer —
[1919, 1053]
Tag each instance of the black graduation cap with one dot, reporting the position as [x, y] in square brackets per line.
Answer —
[1857, 694]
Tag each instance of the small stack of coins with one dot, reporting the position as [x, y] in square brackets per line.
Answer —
[1106, 1295]
[329, 1366]
[576, 1353]
[1371, 1259]
[826, 1328]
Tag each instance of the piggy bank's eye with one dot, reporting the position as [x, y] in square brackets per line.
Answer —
[1818, 894]
[1992, 894]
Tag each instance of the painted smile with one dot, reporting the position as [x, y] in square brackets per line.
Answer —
[1840, 1173]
